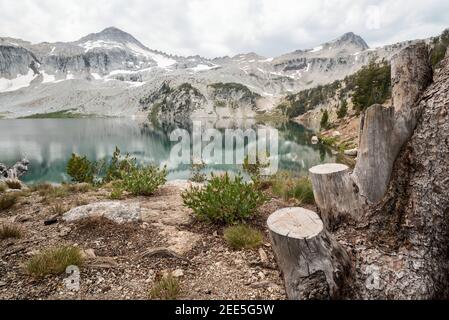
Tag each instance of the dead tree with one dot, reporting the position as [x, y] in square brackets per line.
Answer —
[399, 243]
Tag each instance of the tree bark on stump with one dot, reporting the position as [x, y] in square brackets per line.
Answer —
[314, 265]
[335, 194]
[384, 131]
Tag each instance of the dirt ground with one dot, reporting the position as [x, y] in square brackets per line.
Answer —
[116, 266]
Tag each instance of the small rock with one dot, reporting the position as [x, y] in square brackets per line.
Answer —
[2, 284]
[315, 140]
[263, 256]
[178, 273]
[89, 254]
[65, 231]
[336, 134]
[351, 153]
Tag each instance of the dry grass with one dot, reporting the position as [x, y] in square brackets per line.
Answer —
[58, 209]
[3, 186]
[243, 237]
[13, 184]
[8, 231]
[167, 288]
[54, 261]
[8, 200]
[289, 187]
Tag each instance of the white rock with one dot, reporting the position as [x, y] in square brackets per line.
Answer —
[178, 273]
[116, 211]
[351, 153]
[315, 140]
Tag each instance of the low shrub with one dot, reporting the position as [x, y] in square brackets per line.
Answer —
[3, 186]
[58, 209]
[8, 231]
[144, 181]
[13, 184]
[293, 188]
[243, 237]
[255, 170]
[119, 166]
[196, 173]
[224, 200]
[116, 193]
[80, 169]
[54, 261]
[167, 288]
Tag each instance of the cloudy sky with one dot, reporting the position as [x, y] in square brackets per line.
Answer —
[214, 28]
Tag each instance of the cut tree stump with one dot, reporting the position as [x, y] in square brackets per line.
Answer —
[314, 265]
[335, 194]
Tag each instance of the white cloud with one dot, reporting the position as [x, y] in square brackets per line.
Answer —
[218, 27]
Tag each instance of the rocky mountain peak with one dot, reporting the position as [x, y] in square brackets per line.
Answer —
[111, 34]
[350, 39]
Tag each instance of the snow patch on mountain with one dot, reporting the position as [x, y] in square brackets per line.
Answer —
[22, 81]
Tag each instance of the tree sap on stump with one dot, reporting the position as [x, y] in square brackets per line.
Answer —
[314, 265]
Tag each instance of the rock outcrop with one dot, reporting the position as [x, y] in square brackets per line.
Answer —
[14, 172]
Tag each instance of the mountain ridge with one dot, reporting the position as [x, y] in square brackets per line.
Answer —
[109, 72]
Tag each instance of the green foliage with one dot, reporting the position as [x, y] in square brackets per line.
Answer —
[243, 237]
[372, 85]
[119, 166]
[288, 187]
[54, 261]
[8, 231]
[343, 110]
[196, 174]
[303, 101]
[144, 181]
[324, 123]
[117, 192]
[167, 288]
[7, 201]
[64, 114]
[80, 169]
[440, 45]
[254, 170]
[224, 200]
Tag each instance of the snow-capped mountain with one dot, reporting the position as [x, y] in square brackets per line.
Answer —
[112, 73]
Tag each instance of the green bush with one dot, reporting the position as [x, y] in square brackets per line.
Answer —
[440, 45]
[293, 188]
[80, 169]
[224, 200]
[254, 170]
[54, 261]
[343, 110]
[144, 181]
[372, 85]
[117, 192]
[196, 173]
[243, 237]
[324, 124]
[167, 288]
[119, 166]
